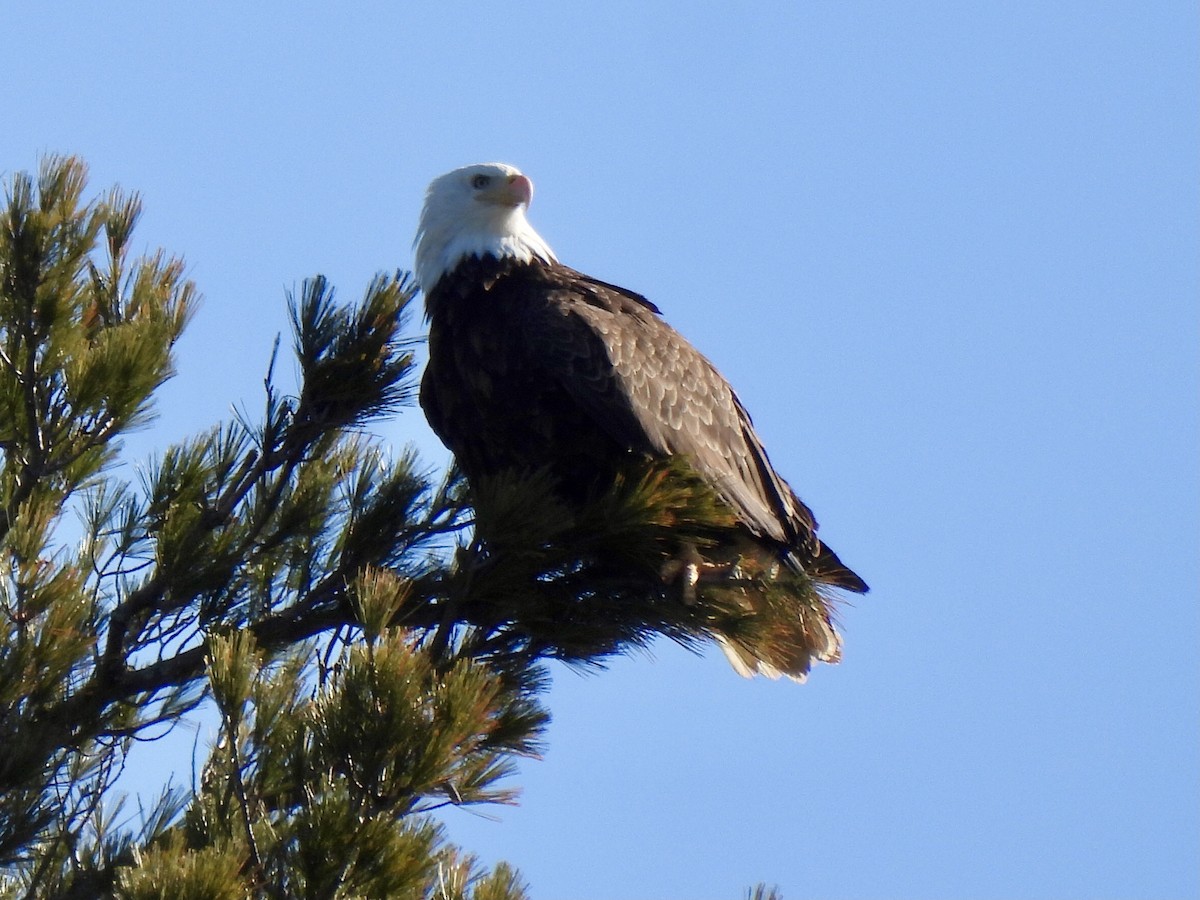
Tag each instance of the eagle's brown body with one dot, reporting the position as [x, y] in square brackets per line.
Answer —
[534, 365]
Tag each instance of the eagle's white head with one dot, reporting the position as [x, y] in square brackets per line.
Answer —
[476, 211]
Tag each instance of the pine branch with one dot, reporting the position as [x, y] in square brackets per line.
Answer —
[275, 534]
[224, 517]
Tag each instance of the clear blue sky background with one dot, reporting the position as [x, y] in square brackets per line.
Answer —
[946, 251]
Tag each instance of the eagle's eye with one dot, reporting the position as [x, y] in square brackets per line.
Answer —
[479, 182]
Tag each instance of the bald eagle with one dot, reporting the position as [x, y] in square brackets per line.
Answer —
[534, 366]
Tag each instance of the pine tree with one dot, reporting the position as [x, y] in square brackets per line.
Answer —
[369, 657]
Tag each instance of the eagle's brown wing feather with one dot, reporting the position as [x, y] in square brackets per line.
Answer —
[650, 389]
[639, 377]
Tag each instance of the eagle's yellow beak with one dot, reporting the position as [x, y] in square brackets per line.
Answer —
[516, 190]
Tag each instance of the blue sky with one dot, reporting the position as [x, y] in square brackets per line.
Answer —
[946, 252]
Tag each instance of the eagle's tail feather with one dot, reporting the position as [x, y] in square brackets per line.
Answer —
[790, 652]
[824, 567]
[786, 620]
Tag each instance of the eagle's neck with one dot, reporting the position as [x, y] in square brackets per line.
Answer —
[442, 244]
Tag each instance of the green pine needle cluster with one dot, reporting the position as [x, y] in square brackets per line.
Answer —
[325, 789]
[373, 652]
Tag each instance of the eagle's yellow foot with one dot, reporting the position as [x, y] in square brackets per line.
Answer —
[689, 568]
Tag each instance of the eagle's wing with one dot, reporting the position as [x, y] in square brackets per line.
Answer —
[654, 392]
